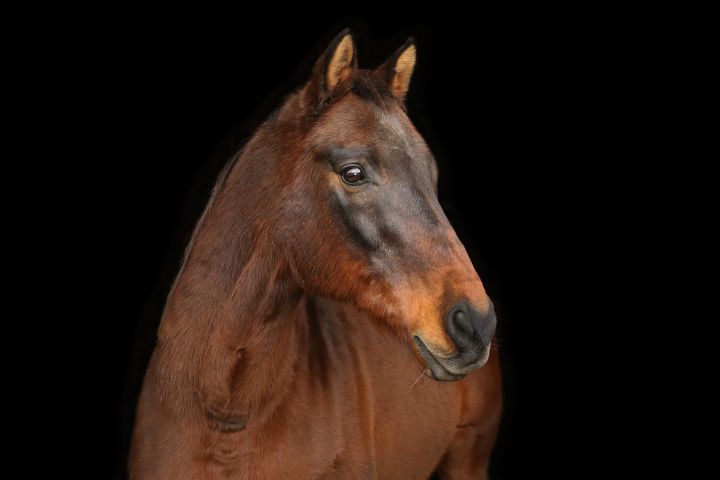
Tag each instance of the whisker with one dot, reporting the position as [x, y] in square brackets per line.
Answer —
[417, 380]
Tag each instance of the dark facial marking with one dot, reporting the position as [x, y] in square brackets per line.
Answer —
[426, 213]
[360, 235]
[402, 190]
[391, 237]
[409, 171]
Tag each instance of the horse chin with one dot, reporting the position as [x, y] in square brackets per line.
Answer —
[435, 369]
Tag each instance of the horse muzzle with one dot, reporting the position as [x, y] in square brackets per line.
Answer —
[472, 334]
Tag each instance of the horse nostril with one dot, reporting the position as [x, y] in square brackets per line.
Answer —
[471, 331]
[461, 321]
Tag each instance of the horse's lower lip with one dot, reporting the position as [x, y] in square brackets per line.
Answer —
[437, 371]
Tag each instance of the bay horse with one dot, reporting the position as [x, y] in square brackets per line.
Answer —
[326, 321]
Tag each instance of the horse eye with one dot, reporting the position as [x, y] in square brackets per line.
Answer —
[352, 175]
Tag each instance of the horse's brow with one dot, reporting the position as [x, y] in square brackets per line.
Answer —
[338, 155]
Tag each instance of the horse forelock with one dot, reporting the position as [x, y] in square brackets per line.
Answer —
[363, 83]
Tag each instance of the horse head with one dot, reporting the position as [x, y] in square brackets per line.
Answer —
[357, 213]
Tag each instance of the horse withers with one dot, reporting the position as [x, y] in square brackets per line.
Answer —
[326, 321]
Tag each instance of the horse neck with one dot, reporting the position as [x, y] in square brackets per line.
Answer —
[230, 333]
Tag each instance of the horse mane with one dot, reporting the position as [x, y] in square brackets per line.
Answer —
[219, 184]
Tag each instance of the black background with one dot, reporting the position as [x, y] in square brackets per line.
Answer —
[536, 115]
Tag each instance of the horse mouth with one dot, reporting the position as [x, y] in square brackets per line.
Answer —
[435, 369]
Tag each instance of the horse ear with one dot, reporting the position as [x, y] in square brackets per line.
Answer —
[334, 66]
[340, 60]
[398, 69]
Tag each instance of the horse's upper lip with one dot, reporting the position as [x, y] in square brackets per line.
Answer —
[437, 370]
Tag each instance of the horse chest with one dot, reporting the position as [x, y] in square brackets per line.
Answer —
[360, 411]
[373, 433]
[372, 409]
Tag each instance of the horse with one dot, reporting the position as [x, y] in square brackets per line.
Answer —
[326, 321]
